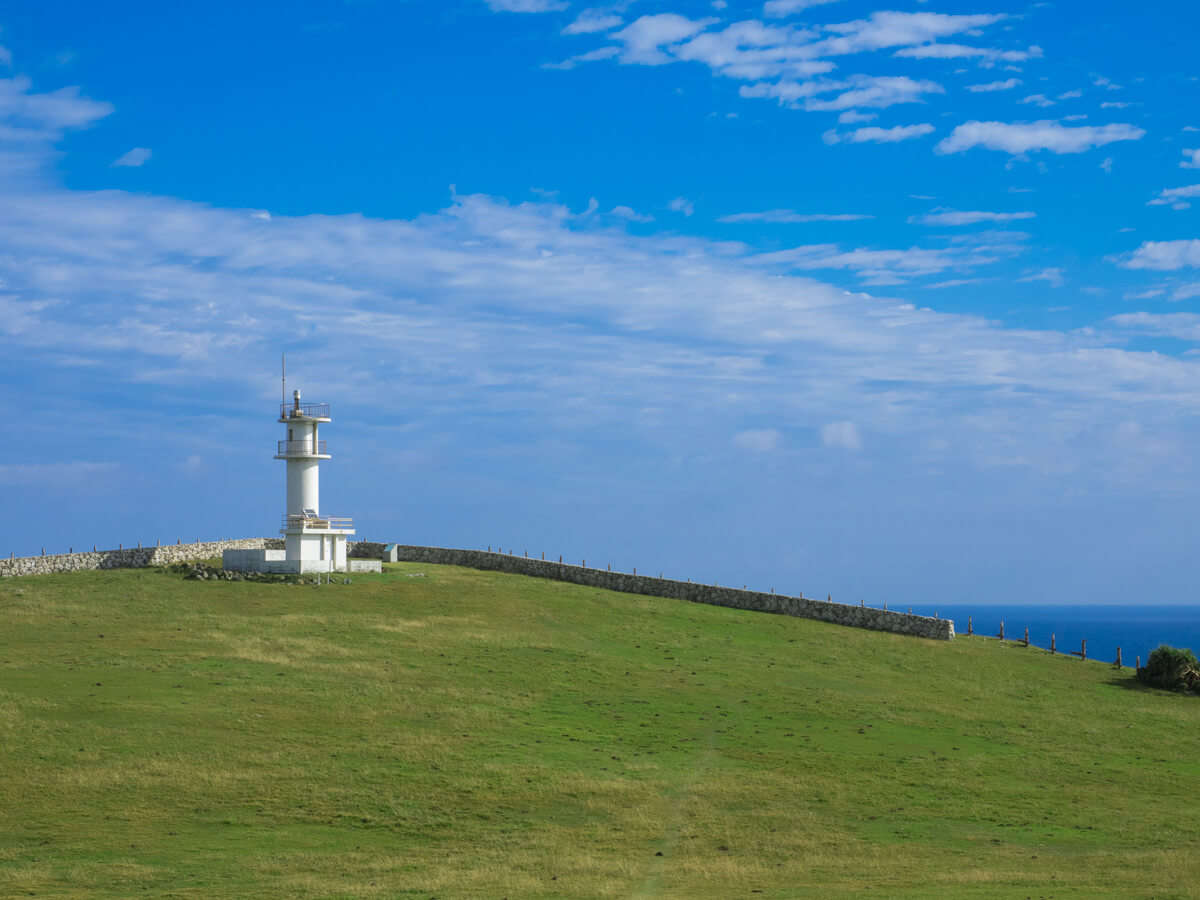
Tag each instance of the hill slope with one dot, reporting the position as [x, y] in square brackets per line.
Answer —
[476, 734]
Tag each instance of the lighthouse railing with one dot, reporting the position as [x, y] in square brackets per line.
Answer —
[333, 523]
[304, 410]
[301, 448]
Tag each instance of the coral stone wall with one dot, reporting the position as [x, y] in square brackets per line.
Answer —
[839, 613]
[131, 558]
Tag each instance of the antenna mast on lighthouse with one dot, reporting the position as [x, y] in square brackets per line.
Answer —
[283, 378]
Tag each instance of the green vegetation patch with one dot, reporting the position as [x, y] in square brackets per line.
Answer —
[446, 732]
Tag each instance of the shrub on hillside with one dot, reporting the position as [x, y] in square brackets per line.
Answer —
[1173, 668]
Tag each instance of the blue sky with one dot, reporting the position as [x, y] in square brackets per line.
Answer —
[893, 302]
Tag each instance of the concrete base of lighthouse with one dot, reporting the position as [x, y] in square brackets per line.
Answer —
[309, 551]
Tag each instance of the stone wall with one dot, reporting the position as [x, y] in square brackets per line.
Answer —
[130, 558]
[839, 613]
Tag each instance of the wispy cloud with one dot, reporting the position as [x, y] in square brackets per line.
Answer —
[591, 21]
[776, 9]
[1052, 276]
[134, 158]
[790, 216]
[858, 91]
[1176, 198]
[1026, 137]
[526, 6]
[682, 205]
[992, 86]
[1193, 159]
[1038, 100]
[964, 217]
[989, 55]
[1165, 256]
[875, 135]
[841, 436]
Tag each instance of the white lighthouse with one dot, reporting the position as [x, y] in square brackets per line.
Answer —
[313, 542]
[316, 542]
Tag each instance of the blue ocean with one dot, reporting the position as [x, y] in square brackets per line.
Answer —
[1135, 629]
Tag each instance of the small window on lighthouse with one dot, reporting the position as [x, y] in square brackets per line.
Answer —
[291, 434]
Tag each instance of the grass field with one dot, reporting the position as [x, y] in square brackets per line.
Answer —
[471, 734]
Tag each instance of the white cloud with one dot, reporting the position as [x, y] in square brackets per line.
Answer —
[1107, 164]
[644, 38]
[627, 213]
[841, 436]
[1024, 137]
[988, 55]
[572, 324]
[1039, 100]
[5, 56]
[992, 86]
[1111, 104]
[27, 116]
[777, 9]
[1193, 162]
[882, 30]
[790, 216]
[876, 135]
[881, 267]
[964, 217]
[591, 21]
[1054, 276]
[1184, 326]
[682, 205]
[591, 56]
[1177, 197]
[133, 158]
[852, 116]
[1164, 256]
[526, 6]
[751, 50]
[758, 440]
[1070, 95]
[857, 91]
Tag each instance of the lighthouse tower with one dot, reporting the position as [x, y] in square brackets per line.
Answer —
[315, 542]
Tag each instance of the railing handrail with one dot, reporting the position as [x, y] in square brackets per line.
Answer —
[307, 410]
[302, 447]
[336, 523]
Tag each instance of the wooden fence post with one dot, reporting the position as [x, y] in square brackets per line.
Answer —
[1052, 650]
[1083, 649]
[1139, 662]
[1026, 635]
[1001, 629]
[969, 632]
[1118, 657]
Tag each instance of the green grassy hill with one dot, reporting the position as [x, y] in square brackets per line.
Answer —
[471, 734]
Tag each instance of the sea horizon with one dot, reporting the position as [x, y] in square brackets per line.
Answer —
[1136, 628]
